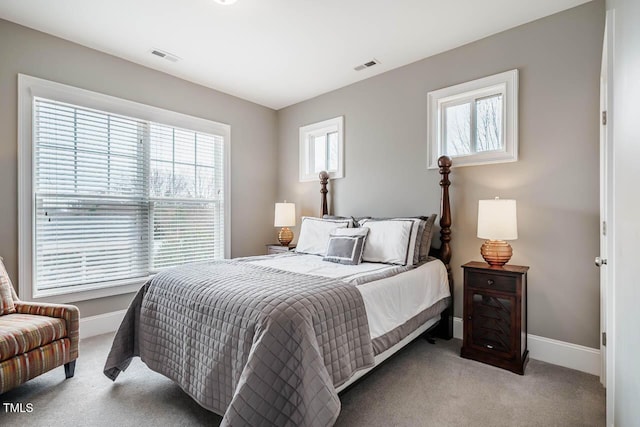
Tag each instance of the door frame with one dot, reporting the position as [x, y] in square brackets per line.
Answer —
[607, 228]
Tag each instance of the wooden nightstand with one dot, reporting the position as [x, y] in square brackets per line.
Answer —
[495, 315]
[278, 249]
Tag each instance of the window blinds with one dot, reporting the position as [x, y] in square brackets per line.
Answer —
[117, 198]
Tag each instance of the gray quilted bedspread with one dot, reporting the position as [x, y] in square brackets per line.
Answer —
[259, 345]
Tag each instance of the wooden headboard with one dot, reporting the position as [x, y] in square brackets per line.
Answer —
[445, 327]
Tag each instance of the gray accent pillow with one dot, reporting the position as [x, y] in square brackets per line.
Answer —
[427, 235]
[346, 246]
[325, 216]
[417, 252]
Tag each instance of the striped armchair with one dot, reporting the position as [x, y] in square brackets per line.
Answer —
[34, 337]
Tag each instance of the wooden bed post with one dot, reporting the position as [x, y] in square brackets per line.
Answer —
[324, 207]
[445, 327]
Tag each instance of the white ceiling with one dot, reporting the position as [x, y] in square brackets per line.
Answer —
[276, 52]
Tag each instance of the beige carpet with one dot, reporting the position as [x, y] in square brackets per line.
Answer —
[422, 385]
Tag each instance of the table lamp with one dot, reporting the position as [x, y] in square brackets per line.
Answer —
[497, 222]
[285, 217]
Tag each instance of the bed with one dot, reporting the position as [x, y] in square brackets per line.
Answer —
[272, 340]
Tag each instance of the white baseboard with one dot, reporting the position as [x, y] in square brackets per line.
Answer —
[101, 324]
[578, 357]
[548, 350]
[457, 328]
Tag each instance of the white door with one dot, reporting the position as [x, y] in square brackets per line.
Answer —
[602, 259]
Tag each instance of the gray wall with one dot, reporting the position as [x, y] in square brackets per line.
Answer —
[555, 182]
[253, 133]
[626, 217]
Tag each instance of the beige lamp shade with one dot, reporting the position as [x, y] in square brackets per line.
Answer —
[497, 219]
[285, 215]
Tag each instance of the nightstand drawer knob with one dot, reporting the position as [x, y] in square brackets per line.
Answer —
[490, 282]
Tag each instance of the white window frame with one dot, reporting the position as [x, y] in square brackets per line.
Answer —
[30, 87]
[506, 84]
[309, 131]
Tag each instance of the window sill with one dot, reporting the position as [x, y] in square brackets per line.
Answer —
[83, 293]
[479, 159]
[314, 176]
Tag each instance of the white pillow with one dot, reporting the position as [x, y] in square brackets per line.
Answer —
[389, 241]
[315, 232]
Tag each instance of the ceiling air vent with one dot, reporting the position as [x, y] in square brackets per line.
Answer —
[367, 65]
[164, 54]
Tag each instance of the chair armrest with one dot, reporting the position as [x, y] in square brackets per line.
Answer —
[69, 313]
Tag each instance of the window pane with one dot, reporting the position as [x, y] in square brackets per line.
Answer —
[185, 146]
[333, 152]
[161, 142]
[489, 123]
[86, 241]
[161, 181]
[205, 183]
[85, 151]
[205, 149]
[320, 153]
[56, 125]
[187, 232]
[184, 181]
[457, 132]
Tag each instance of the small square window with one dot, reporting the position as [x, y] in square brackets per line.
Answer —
[475, 122]
[321, 149]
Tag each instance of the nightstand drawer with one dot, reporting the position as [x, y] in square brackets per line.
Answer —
[279, 249]
[492, 281]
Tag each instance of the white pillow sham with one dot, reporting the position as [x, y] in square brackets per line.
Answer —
[315, 232]
[413, 254]
[390, 241]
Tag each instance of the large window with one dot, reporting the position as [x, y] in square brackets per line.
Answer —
[109, 195]
[475, 122]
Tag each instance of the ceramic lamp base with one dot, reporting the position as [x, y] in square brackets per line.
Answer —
[285, 236]
[496, 252]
